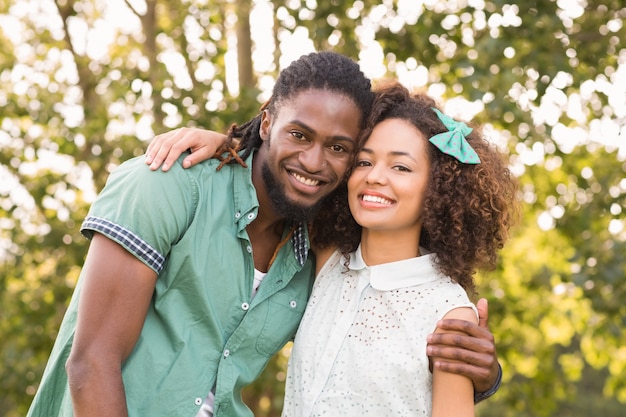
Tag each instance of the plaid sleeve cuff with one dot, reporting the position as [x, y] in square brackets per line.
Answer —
[480, 396]
[129, 240]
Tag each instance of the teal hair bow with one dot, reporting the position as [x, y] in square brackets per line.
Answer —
[453, 141]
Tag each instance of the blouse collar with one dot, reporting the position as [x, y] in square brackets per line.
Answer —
[395, 275]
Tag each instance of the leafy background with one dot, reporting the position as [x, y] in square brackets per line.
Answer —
[85, 84]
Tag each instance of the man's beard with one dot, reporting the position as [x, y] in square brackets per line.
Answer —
[281, 204]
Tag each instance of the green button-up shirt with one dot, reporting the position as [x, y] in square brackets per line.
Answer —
[203, 329]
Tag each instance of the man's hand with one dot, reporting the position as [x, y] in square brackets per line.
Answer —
[472, 354]
[167, 147]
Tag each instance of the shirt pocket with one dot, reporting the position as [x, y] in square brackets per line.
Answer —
[284, 313]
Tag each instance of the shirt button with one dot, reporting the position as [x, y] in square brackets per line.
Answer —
[249, 249]
[237, 215]
[293, 304]
[245, 306]
[198, 401]
[226, 353]
[250, 216]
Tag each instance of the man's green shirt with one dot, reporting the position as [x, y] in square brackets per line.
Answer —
[203, 328]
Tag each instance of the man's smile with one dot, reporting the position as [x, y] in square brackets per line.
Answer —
[304, 180]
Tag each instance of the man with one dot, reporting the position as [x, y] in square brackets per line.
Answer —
[169, 317]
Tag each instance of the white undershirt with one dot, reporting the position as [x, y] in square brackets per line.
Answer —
[206, 410]
[258, 277]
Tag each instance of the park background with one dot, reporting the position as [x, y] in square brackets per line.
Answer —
[85, 84]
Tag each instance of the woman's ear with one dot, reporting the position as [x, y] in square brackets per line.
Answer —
[266, 125]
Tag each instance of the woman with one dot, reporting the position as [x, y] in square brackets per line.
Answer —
[425, 221]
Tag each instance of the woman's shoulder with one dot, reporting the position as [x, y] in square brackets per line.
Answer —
[325, 258]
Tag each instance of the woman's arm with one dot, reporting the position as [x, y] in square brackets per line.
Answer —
[167, 147]
[453, 394]
[467, 349]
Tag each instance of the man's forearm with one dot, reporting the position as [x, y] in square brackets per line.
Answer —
[96, 394]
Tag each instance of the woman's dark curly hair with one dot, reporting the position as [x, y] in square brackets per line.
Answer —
[468, 209]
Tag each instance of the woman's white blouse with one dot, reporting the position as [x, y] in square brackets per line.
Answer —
[361, 346]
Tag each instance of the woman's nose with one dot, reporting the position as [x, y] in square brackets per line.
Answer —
[375, 175]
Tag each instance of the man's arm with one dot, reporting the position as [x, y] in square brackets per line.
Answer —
[472, 353]
[112, 308]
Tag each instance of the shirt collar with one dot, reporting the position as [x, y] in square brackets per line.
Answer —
[247, 208]
[300, 241]
[245, 198]
[396, 275]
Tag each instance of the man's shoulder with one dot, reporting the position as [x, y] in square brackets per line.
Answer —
[137, 169]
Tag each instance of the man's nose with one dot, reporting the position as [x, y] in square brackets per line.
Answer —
[313, 159]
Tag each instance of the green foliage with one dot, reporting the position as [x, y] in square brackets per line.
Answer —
[69, 116]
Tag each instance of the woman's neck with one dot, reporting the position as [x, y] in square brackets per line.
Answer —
[380, 247]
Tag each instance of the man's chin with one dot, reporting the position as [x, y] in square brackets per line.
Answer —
[301, 208]
[297, 212]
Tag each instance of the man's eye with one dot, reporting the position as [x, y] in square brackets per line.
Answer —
[298, 135]
[338, 148]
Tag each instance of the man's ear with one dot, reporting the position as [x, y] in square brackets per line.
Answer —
[266, 125]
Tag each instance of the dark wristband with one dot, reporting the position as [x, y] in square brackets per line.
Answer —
[480, 396]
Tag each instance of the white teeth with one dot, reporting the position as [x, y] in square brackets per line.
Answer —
[375, 199]
[304, 180]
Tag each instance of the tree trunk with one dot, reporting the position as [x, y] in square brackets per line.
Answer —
[244, 44]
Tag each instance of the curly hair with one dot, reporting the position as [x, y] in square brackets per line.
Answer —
[468, 209]
[325, 70]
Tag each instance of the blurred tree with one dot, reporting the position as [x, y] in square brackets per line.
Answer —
[547, 78]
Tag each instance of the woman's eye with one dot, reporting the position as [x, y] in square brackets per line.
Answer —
[402, 168]
[362, 163]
